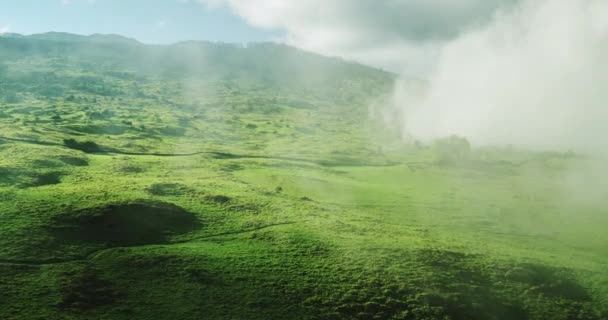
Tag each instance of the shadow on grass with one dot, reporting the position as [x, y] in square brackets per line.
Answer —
[125, 224]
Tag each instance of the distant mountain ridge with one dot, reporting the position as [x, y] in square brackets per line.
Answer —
[117, 38]
[265, 63]
[71, 37]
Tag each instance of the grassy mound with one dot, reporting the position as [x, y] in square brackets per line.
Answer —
[125, 224]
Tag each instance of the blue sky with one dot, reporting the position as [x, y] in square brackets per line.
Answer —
[150, 21]
[404, 36]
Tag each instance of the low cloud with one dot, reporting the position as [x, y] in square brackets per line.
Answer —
[4, 29]
[399, 35]
[536, 76]
[531, 73]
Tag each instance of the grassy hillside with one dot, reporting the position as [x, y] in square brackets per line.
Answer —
[214, 181]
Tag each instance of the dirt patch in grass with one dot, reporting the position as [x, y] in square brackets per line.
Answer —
[124, 224]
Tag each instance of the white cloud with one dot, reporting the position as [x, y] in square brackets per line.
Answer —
[162, 23]
[523, 72]
[5, 29]
[536, 76]
[401, 35]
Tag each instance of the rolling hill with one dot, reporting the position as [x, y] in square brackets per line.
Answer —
[218, 181]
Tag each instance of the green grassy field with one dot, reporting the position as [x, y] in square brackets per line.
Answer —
[150, 186]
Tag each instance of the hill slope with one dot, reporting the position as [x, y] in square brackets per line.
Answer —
[216, 181]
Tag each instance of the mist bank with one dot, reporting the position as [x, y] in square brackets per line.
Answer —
[535, 77]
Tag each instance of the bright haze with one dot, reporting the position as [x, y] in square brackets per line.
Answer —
[526, 73]
[498, 72]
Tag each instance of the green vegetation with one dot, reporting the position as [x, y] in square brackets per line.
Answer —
[452, 150]
[87, 146]
[215, 181]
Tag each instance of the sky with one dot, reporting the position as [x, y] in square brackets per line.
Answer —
[149, 21]
[397, 35]
[403, 36]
